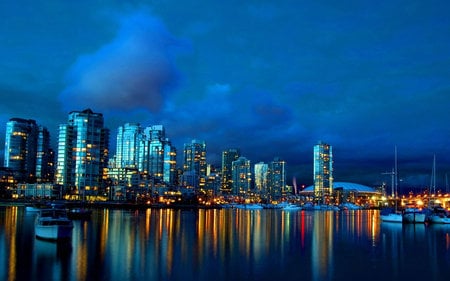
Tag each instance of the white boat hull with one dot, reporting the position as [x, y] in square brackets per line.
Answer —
[54, 232]
[392, 218]
[53, 224]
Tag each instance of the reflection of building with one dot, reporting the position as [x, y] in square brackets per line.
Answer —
[195, 163]
[241, 176]
[228, 156]
[323, 172]
[27, 150]
[276, 177]
[82, 153]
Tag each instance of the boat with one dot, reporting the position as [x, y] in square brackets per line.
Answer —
[388, 214]
[439, 215]
[53, 224]
[349, 206]
[391, 215]
[79, 214]
[414, 215]
[249, 206]
[291, 207]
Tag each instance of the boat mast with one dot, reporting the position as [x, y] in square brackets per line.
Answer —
[395, 178]
[433, 177]
[446, 183]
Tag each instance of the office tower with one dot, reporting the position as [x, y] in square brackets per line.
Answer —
[21, 148]
[128, 144]
[323, 172]
[195, 163]
[82, 153]
[277, 177]
[261, 170]
[44, 157]
[241, 176]
[228, 156]
[158, 155]
[170, 163]
[148, 151]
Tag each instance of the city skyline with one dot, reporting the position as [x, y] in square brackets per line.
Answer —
[271, 79]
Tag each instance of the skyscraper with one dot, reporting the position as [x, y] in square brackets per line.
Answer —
[158, 155]
[261, 170]
[146, 150]
[323, 172]
[195, 163]
[277, 177]
[27, 150]
[82, 153]
[45, 157]
[128, 144]
[242, 176]
[228, 156]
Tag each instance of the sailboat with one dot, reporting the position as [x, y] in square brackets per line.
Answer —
[389, 215]
[438, 214]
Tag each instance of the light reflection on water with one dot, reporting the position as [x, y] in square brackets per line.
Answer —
[165, 244]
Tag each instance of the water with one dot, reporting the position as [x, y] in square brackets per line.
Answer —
[163, 244]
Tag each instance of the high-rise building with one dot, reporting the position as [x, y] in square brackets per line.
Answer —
[242, 176]
[27, 150]
[195, 163]
[158, 155]
[323, 172]
[148, 151]
[45, 157]
[21, 148]
[82, 153]
[277, 177]
[261, 170]
[228, 156]
[128, 144]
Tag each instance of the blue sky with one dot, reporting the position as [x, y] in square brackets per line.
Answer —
[269, 77]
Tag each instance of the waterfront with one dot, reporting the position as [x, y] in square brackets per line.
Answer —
[227, 244]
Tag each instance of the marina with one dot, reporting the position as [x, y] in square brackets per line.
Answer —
[225, 244]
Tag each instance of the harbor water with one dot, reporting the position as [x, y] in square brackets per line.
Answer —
[226, 244]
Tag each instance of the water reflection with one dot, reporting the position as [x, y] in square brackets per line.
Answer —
[164, 244]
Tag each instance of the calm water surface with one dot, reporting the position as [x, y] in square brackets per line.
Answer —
[225, 244]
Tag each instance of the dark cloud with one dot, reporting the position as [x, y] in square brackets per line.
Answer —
[135, 70]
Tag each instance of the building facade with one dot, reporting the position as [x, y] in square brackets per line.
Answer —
[194, 165]
[82, 156]
[323, 172]
[261, 170]
[277, 178]
[27, 151]
[148, 151]
[228, 156]
[241, 176]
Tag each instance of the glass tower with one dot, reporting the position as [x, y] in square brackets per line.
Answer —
[228, 156]
[128, 145]
[147, 150]
[261, 170]
[242, 176]
[277, 177]
[82, 153]
[195, 162]
[21, 148]
[323, 172]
